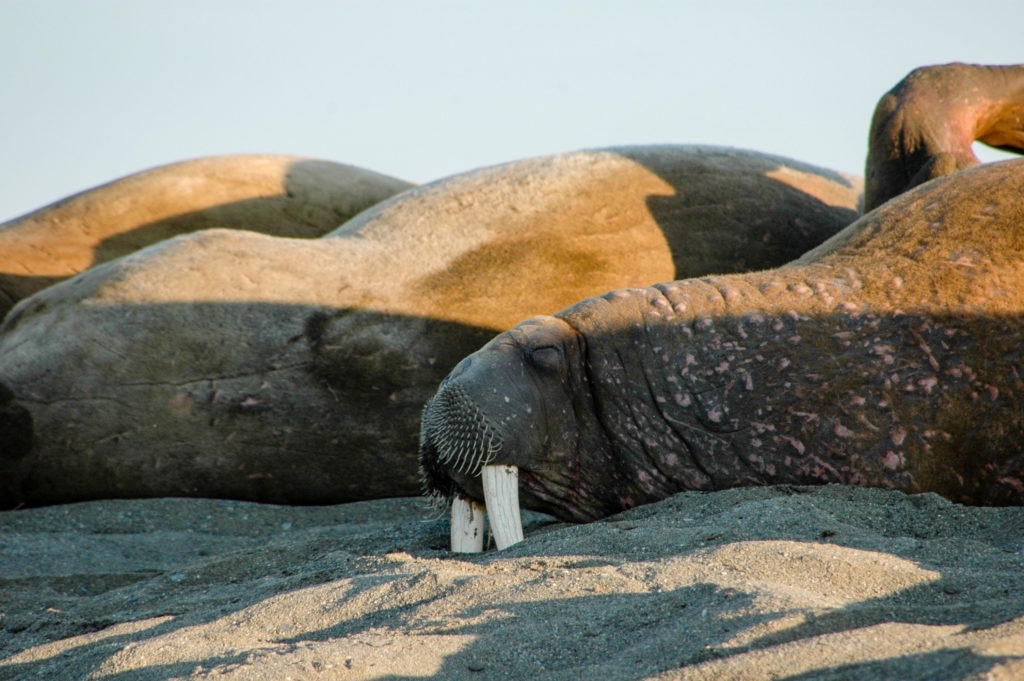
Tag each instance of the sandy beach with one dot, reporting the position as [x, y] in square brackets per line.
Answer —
[761, 583]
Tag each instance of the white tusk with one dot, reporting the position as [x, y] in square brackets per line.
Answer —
[501, 494]
[467, 526]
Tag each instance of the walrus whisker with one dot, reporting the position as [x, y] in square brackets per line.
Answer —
[463, 437]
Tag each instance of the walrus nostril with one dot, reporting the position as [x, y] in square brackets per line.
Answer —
[459, 431]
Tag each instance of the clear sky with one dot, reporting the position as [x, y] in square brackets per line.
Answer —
[93, 90]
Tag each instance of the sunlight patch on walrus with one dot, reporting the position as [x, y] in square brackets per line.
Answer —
[825, 189]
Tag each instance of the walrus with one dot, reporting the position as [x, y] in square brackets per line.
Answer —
[892, 355]
[923, 128]
[272, 194]
[237, 365]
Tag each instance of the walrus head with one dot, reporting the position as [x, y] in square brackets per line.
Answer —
[924, 127]
[520, 407]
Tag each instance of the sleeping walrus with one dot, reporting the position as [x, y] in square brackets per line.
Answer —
[280, 195]
[238, 365]
[627, 398]
[892, 355]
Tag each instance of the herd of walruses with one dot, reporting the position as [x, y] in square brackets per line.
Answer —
[270, 328]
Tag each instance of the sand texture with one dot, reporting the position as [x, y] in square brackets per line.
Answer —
[762, 583]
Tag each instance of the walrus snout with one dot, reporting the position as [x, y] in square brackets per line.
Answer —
[456, 436]
[484, 411]
[458, 431]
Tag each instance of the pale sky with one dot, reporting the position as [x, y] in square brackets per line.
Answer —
[96, 89]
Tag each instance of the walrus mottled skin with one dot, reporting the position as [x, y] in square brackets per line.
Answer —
[272, 194]
[237, 365]
[891, 356]
[923, 128]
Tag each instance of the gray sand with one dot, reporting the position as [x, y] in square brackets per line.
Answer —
[764, 583]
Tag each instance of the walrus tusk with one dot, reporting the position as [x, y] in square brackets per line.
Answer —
[501, 494]
[467, 526]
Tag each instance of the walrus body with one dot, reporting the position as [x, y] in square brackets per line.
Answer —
[892, 355]
[281, 195]
[230, 364]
